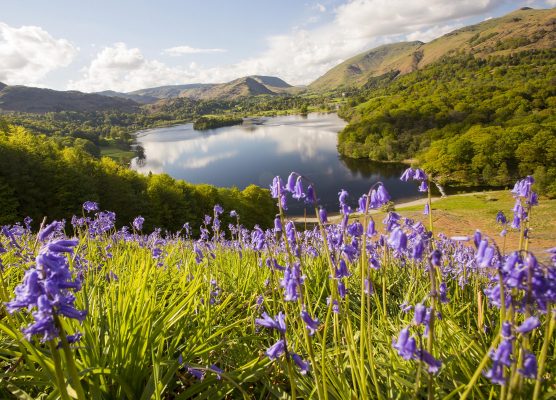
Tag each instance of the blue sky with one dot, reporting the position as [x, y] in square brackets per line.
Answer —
[126, 45]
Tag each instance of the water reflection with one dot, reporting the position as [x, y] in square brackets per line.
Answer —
[260, 149]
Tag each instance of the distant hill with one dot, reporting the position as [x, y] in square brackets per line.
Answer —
[524, 29]
[36, 100]
[170, 91]
[141, 99]
[242, 87]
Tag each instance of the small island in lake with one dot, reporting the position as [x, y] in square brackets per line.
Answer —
[204, 123]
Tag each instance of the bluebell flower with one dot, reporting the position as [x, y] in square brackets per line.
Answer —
[528, 325]
[298, 189]
[419, 314]
[278, 323]
[529, 369]
[138, 223]
[323, 215]
[311, 324]
[301, 364]
[432, 363]
[276, 350]
[405, 345]
[407, 175]
[90, 206]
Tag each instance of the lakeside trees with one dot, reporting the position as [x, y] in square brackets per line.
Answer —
[41, 177]
[467, 120]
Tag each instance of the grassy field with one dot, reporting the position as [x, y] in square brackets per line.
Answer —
[117, 154]
[463, 214]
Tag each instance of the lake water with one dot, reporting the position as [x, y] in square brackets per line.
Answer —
[258, 150]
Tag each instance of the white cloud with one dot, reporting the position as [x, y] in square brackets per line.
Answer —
[182, 50]
[431, 33]
[299, 56]
[304, 54]
[28, 53]
[126, 69]
[321, 7]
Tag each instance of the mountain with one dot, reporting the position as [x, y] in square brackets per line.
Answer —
[170, 91]
[524, 29]
[39, 101]
[141, 99]
[242, 87]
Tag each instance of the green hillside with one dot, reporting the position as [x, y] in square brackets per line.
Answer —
[524, 29]
[469, 121]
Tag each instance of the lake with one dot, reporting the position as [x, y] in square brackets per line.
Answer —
[261, 148]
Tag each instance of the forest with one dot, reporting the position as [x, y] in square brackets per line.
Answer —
[41, 177]
[467, 121]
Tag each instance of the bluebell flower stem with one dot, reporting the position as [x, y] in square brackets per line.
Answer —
[76, 382]
[549, 331]
[59, 372]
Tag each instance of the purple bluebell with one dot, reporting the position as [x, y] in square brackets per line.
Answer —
[432, 363]
[496, 374]
[528, 325]
[47, 287]
[405, 345]
[310, 197]
[197, 373]
[311, 324]
[426, 209]
[407, 175]
[529, 369]
[501, 218]
[276, 350]
[90, 206]
[278, 323]
[323, 215]
[397, 239]
[342, 271]
[436, 258]
[138, 223]
[290, 186]
[443, 292]
[371, 230]
[298, 192]
[301, 364]
[277, 224]
[218, 209]
[419, 314]
[342, 289]
[423, 187]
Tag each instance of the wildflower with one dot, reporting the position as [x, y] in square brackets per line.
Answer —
[310, 197]
[302, 365]
[528, 325]
[398, 239]
[311, 324]
[90, 206]
[196, 373]
[218, 209]
[371, 231]
[426, 209]
[323, 215]
[407, 175]
[405, 345]
[342, 271]
[423, 187]
[277, 224]
[278, 323]
[46, 287]
[419, 314]
[501, 218]
[138, 223]
[298, 189]
[276, 350]
[529, 369]
[290, 186]
[433, 364]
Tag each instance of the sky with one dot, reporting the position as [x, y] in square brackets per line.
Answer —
[126, 45]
